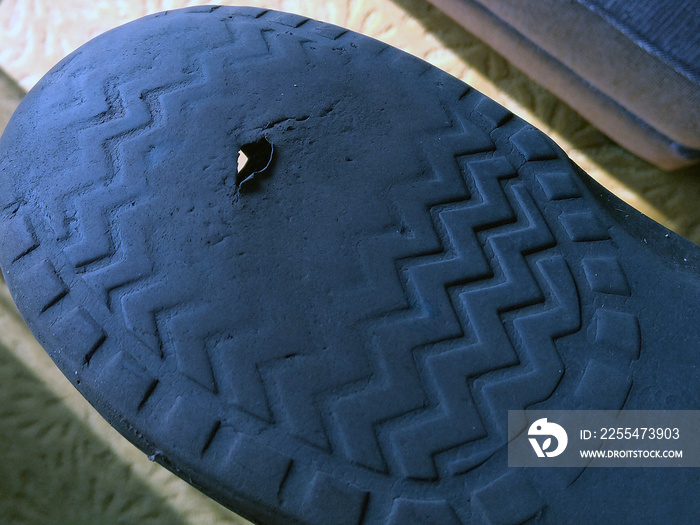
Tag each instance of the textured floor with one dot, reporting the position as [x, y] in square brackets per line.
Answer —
[49, 434]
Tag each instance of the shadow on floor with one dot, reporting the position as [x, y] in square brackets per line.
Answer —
[53, 469]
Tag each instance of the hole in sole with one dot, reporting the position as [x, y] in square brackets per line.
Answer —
[254, 159]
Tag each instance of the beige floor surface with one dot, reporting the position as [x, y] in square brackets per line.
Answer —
[59, 461]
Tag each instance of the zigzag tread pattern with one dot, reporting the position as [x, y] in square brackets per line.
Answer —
[491, 253]
[505, 284]
[122, 115]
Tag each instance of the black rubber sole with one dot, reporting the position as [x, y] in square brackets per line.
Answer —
[334, 333]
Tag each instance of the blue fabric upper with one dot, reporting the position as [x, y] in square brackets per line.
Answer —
[669, 29]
